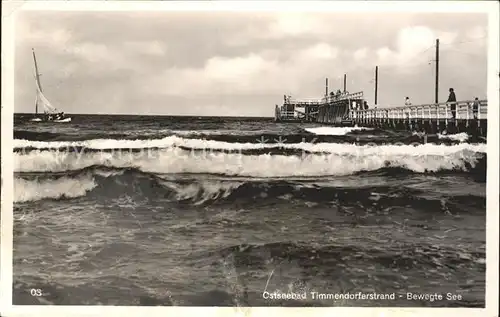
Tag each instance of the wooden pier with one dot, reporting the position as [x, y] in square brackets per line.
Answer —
[468, 116]
[349, 110]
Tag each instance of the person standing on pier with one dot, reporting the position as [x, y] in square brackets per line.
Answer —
[337, 95]
[475, 107]
[407, 111]
[452, 99]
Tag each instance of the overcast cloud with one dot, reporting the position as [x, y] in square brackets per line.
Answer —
[189, 63]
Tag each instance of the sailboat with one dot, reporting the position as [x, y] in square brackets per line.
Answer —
[50, 113]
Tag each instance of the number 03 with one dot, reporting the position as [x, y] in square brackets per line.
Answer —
[35, 292]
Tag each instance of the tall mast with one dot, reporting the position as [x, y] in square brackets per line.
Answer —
[37, 78]
[37, 75]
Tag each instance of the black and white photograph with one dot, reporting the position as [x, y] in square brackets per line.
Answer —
[278, 157]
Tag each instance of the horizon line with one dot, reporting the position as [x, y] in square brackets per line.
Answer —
[149, 115]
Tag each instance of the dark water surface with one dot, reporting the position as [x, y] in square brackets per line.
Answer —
[141, 210]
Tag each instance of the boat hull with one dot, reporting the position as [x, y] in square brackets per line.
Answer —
[65, 120]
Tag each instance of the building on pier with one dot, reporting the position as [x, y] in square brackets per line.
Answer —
[333, 108]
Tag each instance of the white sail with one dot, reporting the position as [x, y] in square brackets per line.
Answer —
[42, 100]
[40, 97]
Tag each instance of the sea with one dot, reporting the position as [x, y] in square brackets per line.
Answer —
[219, 211]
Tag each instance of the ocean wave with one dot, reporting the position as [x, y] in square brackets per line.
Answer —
[167, 142]
[370, 190]
[144, 134]
[312, 145]
[202, 191]
[339, 160]
[64, 187]
[371, 197]
[225, 132]
[231, 143]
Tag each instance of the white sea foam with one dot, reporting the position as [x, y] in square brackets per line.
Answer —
[170, 141]
[202, 191]
[341, 159]
[32, 190]
[461, 137]
[333, 130]
[213, 132]
[175, 141]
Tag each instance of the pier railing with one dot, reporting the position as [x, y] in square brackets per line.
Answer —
[464, 110]
[305, 102]
[287, 114]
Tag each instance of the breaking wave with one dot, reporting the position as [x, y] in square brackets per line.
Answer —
[336, 159]
[65, 187]
[69, 169]
[145, 134]
[175, 141]
[126, 185]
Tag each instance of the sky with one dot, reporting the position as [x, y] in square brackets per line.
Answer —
[242, 63]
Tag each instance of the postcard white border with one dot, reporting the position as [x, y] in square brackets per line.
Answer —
[10, 8]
